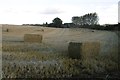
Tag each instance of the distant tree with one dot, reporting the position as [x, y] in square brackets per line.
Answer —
[46, 24]
[76, 20]
[57, 22]
[87, 19]
[43, 24]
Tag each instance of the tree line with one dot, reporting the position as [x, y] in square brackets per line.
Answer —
[90, 20]
[87, 19]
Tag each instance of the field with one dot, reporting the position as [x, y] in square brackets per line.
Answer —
[50, 58]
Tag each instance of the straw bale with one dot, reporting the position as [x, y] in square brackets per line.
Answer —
[83, 50]
[33, 38]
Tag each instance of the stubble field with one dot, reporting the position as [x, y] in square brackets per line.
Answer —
[50, 58]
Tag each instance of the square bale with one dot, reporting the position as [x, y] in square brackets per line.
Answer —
[90, 49]
[5, 30]
[33, 38]
[74, 50]
[83, 50]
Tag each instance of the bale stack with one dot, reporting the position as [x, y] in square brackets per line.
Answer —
[33, 38]
[83, 50]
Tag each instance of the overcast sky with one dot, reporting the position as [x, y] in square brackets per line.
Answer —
[119, 12]
[41, 11]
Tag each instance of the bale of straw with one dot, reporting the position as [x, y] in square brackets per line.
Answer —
[90, 49]
[33, 38]
[83, 50]
[5, 30]
[74, 50]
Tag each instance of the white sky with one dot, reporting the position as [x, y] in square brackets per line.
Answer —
[119, 12]
[41, 11]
